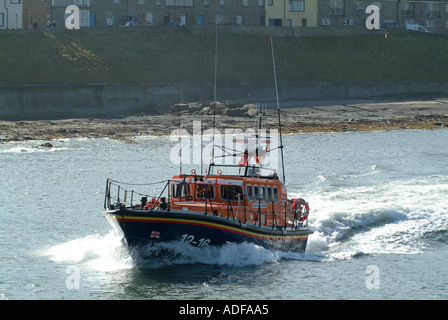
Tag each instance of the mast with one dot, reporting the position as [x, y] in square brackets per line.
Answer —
[214, 97]
[278, 110]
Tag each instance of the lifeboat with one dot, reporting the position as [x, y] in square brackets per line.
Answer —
[211, 210]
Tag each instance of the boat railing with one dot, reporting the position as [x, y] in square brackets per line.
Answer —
[117, 197]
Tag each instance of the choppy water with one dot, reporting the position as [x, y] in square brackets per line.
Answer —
[379, 203]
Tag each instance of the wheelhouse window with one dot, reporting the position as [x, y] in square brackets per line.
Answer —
[275, 189]
[181, 190]
[256, 193]
[204, 191]
[269, 194]
[228, 192]
[249, 192]
[262, 193]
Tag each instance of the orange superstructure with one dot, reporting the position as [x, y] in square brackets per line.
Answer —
[258, 200]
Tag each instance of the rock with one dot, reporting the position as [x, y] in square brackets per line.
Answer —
[252, 112]
[236, 112]
[230, 104]
[47, 145]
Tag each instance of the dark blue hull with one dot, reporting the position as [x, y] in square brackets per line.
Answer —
[142, 228]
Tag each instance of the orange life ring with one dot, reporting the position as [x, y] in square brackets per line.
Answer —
[300, 202]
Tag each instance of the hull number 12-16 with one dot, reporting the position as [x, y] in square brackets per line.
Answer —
[190, 239]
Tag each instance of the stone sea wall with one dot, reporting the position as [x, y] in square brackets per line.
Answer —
[109, 99]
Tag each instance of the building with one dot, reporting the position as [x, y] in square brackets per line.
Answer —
[352, 14]
[291, 13]
[433, 15]
[295, 13]
[197, 12]
[11, 14]
[112, 13]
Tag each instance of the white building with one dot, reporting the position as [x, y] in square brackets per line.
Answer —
[10, 14]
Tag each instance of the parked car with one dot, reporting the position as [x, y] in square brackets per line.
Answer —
[174, 24]
[389, 25]
[131, 24]
[416, 27]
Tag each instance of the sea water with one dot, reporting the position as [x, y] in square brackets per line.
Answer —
[379, 212]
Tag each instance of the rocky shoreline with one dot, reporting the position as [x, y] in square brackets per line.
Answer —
[302, 116]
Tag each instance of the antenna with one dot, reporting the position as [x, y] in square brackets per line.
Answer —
[278, 110]
[180, 148]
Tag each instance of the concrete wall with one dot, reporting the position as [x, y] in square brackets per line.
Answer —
[108, 99]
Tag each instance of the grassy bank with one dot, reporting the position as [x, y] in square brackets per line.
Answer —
[119, 56]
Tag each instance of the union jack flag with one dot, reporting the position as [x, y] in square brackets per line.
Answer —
[155, 234]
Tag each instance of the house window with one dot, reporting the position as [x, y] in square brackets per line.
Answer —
[141, 1]
[179, 3]
[446, 24]
[84, 18]
[75, 2]
[2, 19]
[326, 21]
[206, 2]
[297, 6]
[430, 23]
[446, 8]
[245, 3]
[433, 10]
[288, 22]
[261, 3]
[407, 9]
[360, 5]
[270, 2]
[378, 4]
[221, 2]
[14, 1]
[218, 19]
[406, 22]
[348, 22]
[116, 1]
[149, 19]
[110, 19]
[337, 7]
[239, 20]
[158, 2]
